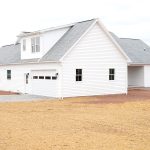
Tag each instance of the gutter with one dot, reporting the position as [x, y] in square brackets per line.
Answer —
[30, 63]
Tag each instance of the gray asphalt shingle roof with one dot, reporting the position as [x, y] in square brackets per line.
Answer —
[135, 49]
[10, 54]
[67, 41]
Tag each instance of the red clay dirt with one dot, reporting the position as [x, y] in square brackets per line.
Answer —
[133, 95]
[7, 93]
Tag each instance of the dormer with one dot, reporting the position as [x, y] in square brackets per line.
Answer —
[37, 44]
[31, 47]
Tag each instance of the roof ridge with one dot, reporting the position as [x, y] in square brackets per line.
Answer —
[24, 33]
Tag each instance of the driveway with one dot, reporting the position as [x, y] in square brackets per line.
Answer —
[22, 97]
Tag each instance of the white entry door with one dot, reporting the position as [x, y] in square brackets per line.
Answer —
[44, 82]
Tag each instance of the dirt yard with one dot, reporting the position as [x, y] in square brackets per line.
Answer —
[89, 123]
[7, 93]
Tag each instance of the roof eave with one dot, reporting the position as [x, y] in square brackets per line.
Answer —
[24, 63]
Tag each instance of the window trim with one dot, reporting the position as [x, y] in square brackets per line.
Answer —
[78, 75]
[9, 75]
[112, 74]
[54, 77]
[48, 78]
[35, 77]
[35, 44]
[41, 77]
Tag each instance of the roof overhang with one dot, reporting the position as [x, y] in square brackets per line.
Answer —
[137, 64]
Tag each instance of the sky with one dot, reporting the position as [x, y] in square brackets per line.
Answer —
[126, 18]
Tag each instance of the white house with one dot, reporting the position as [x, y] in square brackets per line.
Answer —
[78, 59]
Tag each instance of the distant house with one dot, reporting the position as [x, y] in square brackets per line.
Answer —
[78, 59]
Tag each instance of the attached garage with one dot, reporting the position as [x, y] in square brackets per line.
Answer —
[44, 82]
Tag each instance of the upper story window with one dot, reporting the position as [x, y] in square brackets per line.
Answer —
[24, 44]
[111, 74]
[35, 44]
[78, 74]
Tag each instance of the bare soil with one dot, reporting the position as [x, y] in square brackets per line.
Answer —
[84, 123]
[133, 95]
[7, 93]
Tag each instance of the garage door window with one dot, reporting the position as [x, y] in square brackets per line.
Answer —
[41, 77]
[35, 77]
[54, 77]
[47, 77]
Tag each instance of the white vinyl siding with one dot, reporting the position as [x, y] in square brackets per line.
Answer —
[44, 44]
[95, 54]
[24, 44]
[147, 76]
[18, 81]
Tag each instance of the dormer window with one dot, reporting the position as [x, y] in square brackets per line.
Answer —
[24, 44]
[35, 44]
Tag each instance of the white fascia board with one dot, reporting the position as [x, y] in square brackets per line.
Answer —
[113, 40]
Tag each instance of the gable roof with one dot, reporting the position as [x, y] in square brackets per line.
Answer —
[67, 41]
[136, 49]
[11, 54]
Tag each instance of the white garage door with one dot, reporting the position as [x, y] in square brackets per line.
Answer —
[44, 82]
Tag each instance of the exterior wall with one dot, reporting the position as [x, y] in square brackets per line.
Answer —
[95, 54]
[47, 40]
[136, 76]
[147, 75]
[17, 83]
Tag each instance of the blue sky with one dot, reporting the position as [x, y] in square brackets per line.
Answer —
[126, 18]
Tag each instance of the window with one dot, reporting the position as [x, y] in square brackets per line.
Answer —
[47, 77]
[24, 45]
[35, 44]
[35, 77]
[111, 74]
[8, 74]
[54, 77]
[41, 77]
[78, 74]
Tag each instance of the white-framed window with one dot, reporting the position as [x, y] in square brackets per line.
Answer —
[35, 44]
[24, 44]
[111, 74]
[78, 74]
[8, 74]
